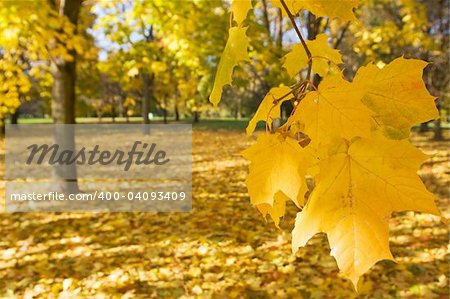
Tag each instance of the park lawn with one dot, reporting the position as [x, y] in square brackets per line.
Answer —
[209, 124]
[222, 249]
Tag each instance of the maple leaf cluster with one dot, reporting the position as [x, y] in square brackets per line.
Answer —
[357, 148]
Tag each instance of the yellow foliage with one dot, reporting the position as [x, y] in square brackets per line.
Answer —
[269, 109]
[235, 51]
[33, 31]
[342, 9]
[334, 110]
[397, 95]
[14, 84]
[403, 27]
[240, 9]
[278, 164]
[362, 176]
[324, 58]
[356, 192]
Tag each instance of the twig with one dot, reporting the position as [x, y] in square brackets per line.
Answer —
[341, 36]
[294, 89]
[300, 36]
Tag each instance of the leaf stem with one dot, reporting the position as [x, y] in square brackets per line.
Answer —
[300, 36]
[292, 91]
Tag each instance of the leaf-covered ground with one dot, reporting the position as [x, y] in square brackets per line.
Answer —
[223, 249]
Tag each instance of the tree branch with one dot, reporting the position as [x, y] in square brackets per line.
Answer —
[300, 36]
[341, 36]
[266, 18]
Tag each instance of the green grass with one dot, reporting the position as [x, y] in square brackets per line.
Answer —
[221, 124]
[81, 120]
[204, 124]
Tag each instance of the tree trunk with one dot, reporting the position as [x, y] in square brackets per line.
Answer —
[113, 112]
[437, 125]
[177, 113]
[313, 27]
[279, 32]
[423, 127]
[196, 116]
[147, 96]
[63, 103]
[266, 20]
[2, 127]
[15, 117]
[239, 108]
[121, 108]
[438, 130]
[165, 115]
[444, 82]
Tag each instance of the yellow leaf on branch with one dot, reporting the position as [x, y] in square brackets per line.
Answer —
[342, 9]
[235, 51]
[269, 109]
[335, 110]
[397, 95]
[324, 58]
[278, 164]
[357, 189]
[240, 9]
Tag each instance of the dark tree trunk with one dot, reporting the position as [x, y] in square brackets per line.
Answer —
[423, 127]
[165, 115]
[266, 20]
[113, 112]
[444, 80]
[238, 114]
[15, 117]
[196, 116]
[437, 126]
[146, 99]
[2, 127]
[438, 130]
[177, 113]
[63, 103]
[121, 108]
[313, 27]
[279, 31]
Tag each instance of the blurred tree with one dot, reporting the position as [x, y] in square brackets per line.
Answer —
[386, 30]
[410, 28]
[165, 43]
[130, 27]
[267, 46]
[38, 48]
[63, 70]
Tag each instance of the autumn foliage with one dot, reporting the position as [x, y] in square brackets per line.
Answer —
[350, 138]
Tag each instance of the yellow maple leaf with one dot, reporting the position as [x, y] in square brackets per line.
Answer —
[278, 164]
[235, 51]
[335, 110]
[277, 209]
[268, 110]
[324, 58]
[342, 9]
[358, 188]
[397, 95]
[240, 9]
